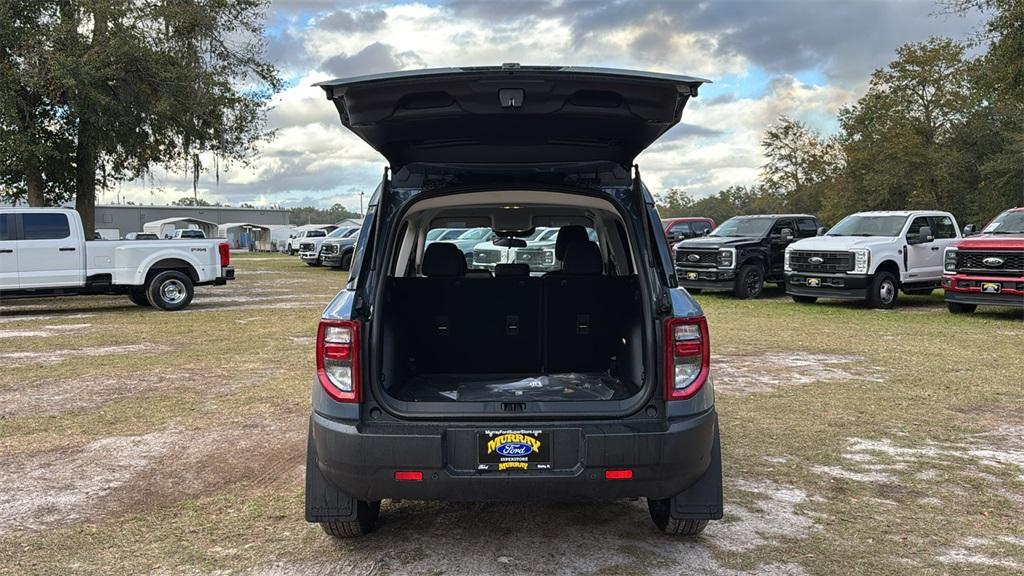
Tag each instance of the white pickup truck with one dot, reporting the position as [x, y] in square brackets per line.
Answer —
[871, 256]
[43, 252]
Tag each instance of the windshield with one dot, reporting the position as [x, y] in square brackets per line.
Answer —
[744, 227]
[350, 232]
[452, 234]
[1009, 222]
[868, 225]
[338, 233]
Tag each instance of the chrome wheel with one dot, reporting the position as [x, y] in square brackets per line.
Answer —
[173, 291]
[886, 292]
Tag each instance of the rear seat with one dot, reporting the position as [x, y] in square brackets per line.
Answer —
[511, 323]
[583, 312]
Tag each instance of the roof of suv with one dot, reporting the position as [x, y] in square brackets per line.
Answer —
[777, 216]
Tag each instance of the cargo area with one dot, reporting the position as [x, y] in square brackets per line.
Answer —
[454, 335]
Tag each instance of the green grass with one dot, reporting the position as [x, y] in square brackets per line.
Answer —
[239, 372]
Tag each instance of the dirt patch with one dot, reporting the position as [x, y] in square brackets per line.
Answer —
[55, 356]
[985, 552]
[51, 330]
[52, 397]
[773, 515]
[8, 317]
[126, 474]
[763, 373]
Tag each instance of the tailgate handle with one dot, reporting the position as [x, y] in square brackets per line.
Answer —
[513, 406]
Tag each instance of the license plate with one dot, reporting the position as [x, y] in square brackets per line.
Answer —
[691, 275]
[991, 287]
[513, 450]
[814, 282]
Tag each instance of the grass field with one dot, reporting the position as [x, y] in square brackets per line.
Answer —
[854, 441]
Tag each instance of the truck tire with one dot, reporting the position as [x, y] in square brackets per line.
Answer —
[315, 263]
[749, 281]
[883, 291]
[170, 290]
[366, 519]
[346, 260]
[659, 510]
[960, 308]
[291, 251]
[804, 299]
[138, 297]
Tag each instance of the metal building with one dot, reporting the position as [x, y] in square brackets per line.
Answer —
[126, 218]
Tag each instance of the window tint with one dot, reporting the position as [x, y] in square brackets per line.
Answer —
[316, 234]
[700, 227]
[942, 227]
[680, 228]
[916, 225]
[45, 226]
[778, 226]
[806, 228]
[6, 230]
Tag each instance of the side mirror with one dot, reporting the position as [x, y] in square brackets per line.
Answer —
[705, 232]
[821, 230]
[786, 234]
[924, 235]
[969, 230]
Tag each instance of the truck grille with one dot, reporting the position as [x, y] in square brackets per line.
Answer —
[697, 258]
[534, 256]
[306, 247]
[328, 248]
[486, 256]
[805, 261]
[1012, 263]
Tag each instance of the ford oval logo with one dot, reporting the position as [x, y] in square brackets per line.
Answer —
[693, 257]
[514, 449]
[993, 261]
[815, 260]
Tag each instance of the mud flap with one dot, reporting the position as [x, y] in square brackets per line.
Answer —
[324, 502]
[702, 500]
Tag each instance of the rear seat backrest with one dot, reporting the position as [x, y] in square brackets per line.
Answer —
[583, 317]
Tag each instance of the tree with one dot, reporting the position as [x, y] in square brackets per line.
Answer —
[135, 84]
[799, 162]
[899, 137]
[674, 203]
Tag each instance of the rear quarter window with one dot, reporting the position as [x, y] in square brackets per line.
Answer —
[6, 229]
[45, 226]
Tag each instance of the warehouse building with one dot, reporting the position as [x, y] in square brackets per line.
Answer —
[126, 218]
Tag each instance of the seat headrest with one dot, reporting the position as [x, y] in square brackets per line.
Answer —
[567, 235]
[583, 258]
[443, 259]
[511, 270]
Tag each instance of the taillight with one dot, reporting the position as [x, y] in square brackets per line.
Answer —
[337, 359]
[225, 253]
[687, 356]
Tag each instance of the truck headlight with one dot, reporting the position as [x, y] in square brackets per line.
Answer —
[861, 261]
[726, 257]
[949, 260]
[786, 265]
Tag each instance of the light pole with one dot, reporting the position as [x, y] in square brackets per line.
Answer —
[360, 203]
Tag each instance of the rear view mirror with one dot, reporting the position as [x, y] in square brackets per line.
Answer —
[510, 242]
[969, 230]
[821, 230]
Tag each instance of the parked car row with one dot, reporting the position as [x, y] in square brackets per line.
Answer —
[867, 256]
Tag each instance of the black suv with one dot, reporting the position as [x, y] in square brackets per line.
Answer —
[742, 253]
[436, 381]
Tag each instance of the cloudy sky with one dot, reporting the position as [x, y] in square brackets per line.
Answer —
[804, 59]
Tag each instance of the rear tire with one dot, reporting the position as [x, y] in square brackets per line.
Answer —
[883, 291]
[170, 290]
[694, 290]
[662, 518]
[749, 281]
[959, 308]
[366, 520]
[138, 297]
[804, 299]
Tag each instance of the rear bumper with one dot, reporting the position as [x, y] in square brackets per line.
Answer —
[706, 278]
[227, 273]
[839, 286]
[666, 458]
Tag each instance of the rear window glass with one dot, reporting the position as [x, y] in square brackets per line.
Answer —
[484, 250]
[45, 226]
[5, 229]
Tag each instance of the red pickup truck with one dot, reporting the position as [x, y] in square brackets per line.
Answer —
[677, 229]
[987, 269]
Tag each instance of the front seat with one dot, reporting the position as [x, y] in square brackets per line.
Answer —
[567, 235]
